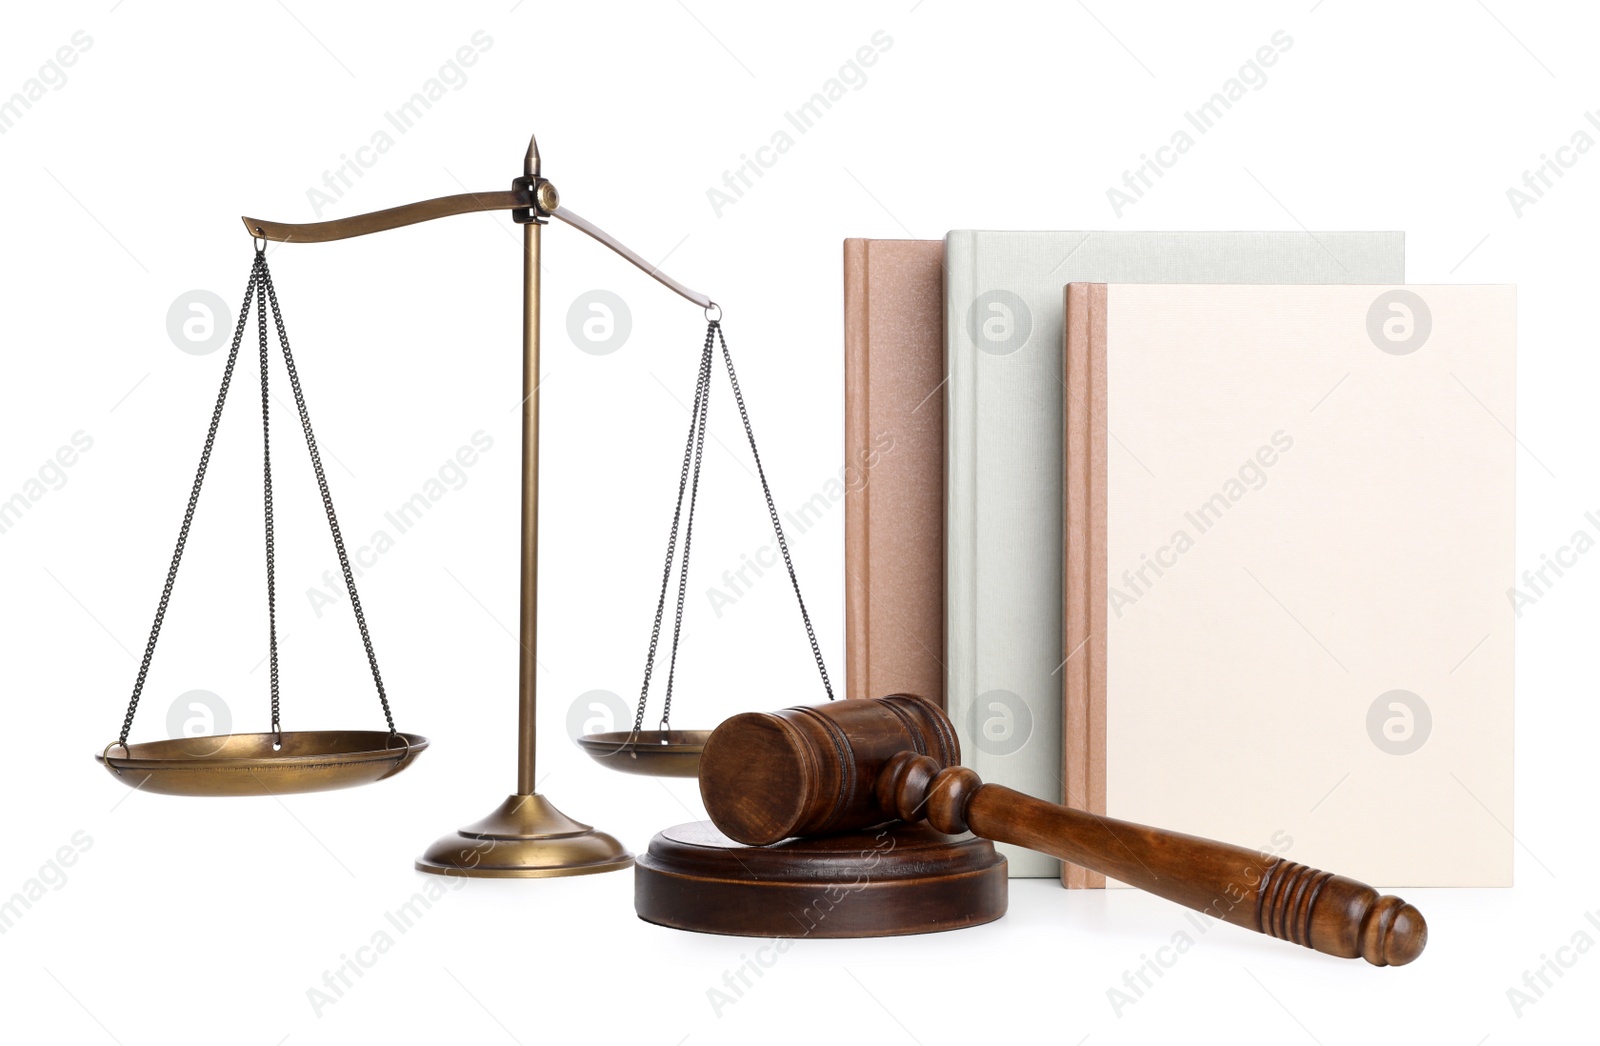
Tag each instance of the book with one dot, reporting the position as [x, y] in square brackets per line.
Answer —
[894, 468]
[1291, 518]
[1004, 325]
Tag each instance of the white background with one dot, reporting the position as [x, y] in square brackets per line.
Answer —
[197, 920]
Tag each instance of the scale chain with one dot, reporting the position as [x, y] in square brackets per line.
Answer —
[189, 511]
[688, 536]
[689, 479]
[702, 390]
[250, 291]
[327, 498]
[260, 291]
[266, 479]
[772, 509]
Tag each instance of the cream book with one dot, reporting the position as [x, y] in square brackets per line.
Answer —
[1289, 545]
[1004, 324]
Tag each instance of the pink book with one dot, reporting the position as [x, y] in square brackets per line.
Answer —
[894, 467]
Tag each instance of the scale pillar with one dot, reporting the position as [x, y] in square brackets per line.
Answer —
[526, 836]
[527, 661]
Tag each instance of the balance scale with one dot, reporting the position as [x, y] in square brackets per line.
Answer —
[526, 835]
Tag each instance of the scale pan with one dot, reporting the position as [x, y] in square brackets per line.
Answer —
[653, 753]
[246, 764]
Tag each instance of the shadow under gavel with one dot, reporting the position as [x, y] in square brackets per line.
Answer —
[847, 765]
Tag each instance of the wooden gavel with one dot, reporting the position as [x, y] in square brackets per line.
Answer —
[847, 765]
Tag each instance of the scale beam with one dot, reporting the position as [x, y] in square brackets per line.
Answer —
[583, 225]
[391, 218]
[545, 204]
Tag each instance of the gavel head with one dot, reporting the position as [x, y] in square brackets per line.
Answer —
[812, 770]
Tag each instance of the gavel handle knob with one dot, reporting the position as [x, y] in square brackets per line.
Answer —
[1262, 892]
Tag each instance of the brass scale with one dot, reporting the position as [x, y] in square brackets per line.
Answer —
[526, 836]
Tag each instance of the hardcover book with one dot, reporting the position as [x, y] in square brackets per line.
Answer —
[1004, 328]
[894, 468]
[1288, 552]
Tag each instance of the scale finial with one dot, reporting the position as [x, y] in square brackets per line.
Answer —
[530, 166]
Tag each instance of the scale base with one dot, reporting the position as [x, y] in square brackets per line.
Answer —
[525, 838]
[884, 882]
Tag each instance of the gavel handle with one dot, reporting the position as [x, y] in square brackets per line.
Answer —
[1329, 913]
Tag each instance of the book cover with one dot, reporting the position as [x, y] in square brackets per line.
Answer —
[1302, 556]
[894, 468]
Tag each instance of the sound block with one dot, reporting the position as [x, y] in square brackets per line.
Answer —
[882, 882]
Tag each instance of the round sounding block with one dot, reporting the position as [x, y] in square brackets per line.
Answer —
[882, 882]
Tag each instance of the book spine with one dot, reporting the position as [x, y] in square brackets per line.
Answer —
[960, 491]
[1098, 433]
[1075, 565]
[857, 444]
